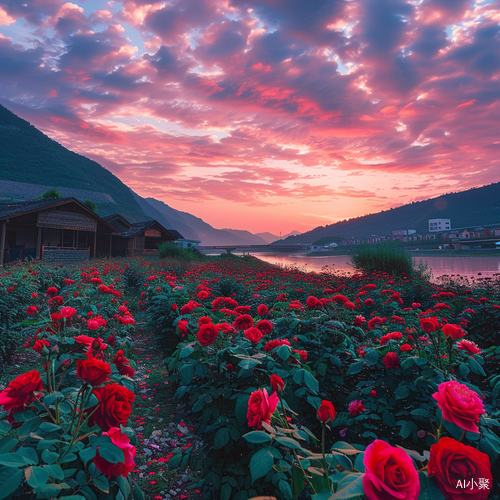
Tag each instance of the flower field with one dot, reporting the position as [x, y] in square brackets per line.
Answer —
[266, 382]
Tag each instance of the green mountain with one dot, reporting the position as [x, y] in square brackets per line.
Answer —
[471, 208]
[28, 156]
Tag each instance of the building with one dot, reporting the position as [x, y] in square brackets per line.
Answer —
[438, 225]
[138, 238]
[403, 232]
[61, 230]
[183, 242]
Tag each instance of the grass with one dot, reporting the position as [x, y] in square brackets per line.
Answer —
[170, 250]
[383, 258]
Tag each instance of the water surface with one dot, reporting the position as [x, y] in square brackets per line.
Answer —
[463, 266]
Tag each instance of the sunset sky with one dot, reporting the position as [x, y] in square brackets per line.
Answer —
[266, 115]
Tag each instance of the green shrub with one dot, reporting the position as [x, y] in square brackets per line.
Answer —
[50, 194]
[170, 250]
[383, 258]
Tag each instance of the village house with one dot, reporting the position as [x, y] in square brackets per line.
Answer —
[61, 230]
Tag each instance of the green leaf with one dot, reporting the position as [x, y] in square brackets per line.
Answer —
[7, 444]
[112, 453]
[350, 487]
[355, 368]
[402, 392]
[371, 357]
[225, 491]
[261, 463]
[186, 351]
[283, 352]
[476, 367]
[407, 428]
[55, 471]
[359, 462]
[407, 363]
[49, 490]
[29, 426]
[49, 427]
[429, 489]
[221, 438]
[36, 476]
[4, 427]
[257, 437]
[464, 370]
[297, 481]
[124, 486]
[87, 454]
[289, 442]
[29, 454]
[175, 461]
[102, 483]
[248, 364]
[81, 478]
[49, 457]
[10, 479]
[22, 416]
[138, 494]
[14, 460]
[285, 489]
[321, 369]
[186, 373]
[302, 376]
[242, 409]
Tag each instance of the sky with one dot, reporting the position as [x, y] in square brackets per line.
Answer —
[265, 115]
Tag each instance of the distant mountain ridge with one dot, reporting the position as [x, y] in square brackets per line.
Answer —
[31, 163]
[473, 207]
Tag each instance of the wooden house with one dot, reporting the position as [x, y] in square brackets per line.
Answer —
[139, 238]
[61, 230]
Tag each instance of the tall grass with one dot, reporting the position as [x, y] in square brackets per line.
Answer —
[383, 258]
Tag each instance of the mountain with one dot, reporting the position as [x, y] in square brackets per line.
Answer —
[271, 238]
[206, 233]
[252, 239]
[27, 156]
[470, 208]
[169, 218]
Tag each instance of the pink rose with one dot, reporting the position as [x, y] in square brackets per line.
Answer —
[460, 405]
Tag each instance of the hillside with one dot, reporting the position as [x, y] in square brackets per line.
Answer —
[467, 208]
[29, 156]
[206, 233]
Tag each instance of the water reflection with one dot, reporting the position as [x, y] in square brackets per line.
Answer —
[463, 266]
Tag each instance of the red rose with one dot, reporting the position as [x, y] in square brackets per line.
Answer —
[467, 345]
[260, 408]
[112, 340]
[31, 310]
[121, 440]
[265, 326]
[313, 303]
[114, 406]
[52, 290]
[92, 371]
[454, 330]
[277, 384]
[460, 405]
[40, 344]
[359, 320]
[391, 360]
[429, 325]
[253, 335]
[453, 463]
[389, 473]
[182, 326]
[21, 390]
[243, 322]
[356, 407]
[262, 310]
[68, 312]
[204, 320]
[207, 334]
[326, 412]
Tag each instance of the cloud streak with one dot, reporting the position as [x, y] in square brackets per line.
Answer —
[259, 103]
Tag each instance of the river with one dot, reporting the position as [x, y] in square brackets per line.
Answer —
[440, 266]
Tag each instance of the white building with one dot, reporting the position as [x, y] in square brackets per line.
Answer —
[436, 225]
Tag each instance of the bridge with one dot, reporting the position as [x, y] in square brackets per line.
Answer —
[231, 248]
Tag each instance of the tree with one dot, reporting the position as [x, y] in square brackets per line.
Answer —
[91, 205]
[50, 194]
